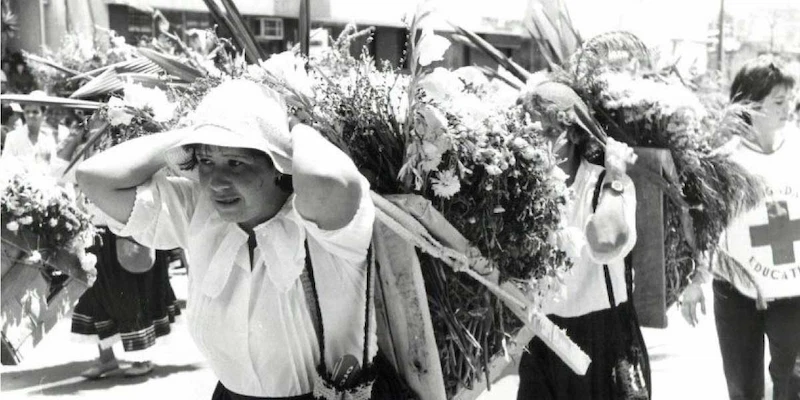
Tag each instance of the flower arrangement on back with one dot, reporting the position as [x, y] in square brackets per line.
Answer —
[33, 205]
[488, 170]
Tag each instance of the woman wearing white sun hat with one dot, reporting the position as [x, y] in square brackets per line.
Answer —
[254, 199]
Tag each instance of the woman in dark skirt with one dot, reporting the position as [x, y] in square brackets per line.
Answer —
[596, 313]
[136, 308]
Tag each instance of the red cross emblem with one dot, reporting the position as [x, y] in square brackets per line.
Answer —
[779, 233]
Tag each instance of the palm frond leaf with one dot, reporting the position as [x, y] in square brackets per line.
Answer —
[51, 64]
[148, 80]
[228, 15]
[172, 65]
[504, 61]
[553, 31]
[105, 83]
[10, 22]
[546, 49]
[613, 47]
[137, 65]
[50, 101]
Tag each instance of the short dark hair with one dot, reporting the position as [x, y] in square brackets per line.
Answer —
[756, 79]
[284, 181]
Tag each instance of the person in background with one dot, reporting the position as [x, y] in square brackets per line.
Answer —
[134, 306]
[33, 141]
[21, 80]
[603, 215]
[755, 281]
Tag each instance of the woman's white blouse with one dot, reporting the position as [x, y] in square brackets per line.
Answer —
[585, 282]
[254, 327]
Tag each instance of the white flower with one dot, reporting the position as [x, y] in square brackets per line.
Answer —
[116, 112]
[531, 153]
[446, 184]
[492, 169]
[442, 85]
[152, 99]
[256, 72]
[431, 156]
[519, 143]
[88, 261]
[118, 41]
[289, 70]
[471, 109]
[557, 175]
[431, 48]
[26, 220]
[12, 226]
[35, 257]
[53, 222]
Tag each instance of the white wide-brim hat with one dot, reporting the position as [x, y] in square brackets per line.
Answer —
[238, 113]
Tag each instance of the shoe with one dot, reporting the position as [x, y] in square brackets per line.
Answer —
[100, 370]
[139, 369]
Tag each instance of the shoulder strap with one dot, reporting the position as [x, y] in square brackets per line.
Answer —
[312, 299]
[595, 199]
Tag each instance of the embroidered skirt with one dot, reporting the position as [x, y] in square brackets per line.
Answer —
[136, 308]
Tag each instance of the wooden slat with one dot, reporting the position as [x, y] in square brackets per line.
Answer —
[405, 332]
[649, 295]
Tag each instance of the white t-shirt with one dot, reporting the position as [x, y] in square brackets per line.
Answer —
[766, 240]
[254, 327]
[19, 145]
[585, 282]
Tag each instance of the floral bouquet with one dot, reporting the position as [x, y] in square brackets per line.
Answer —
[47, 218]
[660, 109]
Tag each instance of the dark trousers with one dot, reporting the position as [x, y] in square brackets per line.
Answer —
[222, 393]
[794, 380]
[741, 329]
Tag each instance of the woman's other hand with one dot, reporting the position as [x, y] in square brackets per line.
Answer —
[618, 156]
[692, 295]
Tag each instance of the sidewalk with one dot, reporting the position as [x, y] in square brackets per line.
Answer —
[685, 362]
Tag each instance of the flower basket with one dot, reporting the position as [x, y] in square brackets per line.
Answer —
[31, 304]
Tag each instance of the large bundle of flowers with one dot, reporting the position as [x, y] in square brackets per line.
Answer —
[648, 108]
[33, 205]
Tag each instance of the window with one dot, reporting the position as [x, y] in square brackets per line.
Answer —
[139, 22]
[197, 20]
[269, 28]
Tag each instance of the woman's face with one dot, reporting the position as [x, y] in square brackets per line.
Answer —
[773, 111]
[240, 183]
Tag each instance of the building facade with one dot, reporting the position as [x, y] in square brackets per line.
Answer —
[275, 24]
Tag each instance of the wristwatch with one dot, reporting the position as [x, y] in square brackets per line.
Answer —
[615, 186]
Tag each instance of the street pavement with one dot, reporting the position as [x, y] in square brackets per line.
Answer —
[685, 363]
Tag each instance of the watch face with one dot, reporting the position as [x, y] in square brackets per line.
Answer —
[617, 186]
